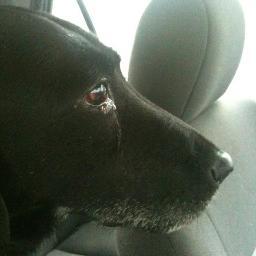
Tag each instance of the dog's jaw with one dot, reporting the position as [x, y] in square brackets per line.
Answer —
[163, 218]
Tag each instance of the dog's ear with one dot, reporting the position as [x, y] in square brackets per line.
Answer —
[4, 227]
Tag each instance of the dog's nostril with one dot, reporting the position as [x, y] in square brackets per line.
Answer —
[222, 166]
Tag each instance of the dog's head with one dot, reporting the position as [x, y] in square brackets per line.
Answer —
[75, 134]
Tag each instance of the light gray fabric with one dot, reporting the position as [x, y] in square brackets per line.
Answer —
[90, 238]
[186, 53]
[198, 239]
[61, 253]
[41, 5]
[20, 3]
[63, 230]
[35, 5]
[232, 126]
[93, 239]
[228, 227]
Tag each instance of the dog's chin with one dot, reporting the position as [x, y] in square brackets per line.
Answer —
[148, 228]
[167, 230]
[163, 218]
[149, 225]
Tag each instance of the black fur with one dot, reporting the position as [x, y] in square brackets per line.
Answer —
[4, 227]
[135, 166]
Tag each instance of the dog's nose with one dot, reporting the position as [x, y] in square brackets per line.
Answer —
[222, 166]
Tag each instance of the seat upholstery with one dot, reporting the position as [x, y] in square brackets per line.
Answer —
[229, 227]
[23, 3]
[93, 239]
[186, 53]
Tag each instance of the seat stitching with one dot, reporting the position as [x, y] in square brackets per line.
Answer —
[218, 233]
[201, 65]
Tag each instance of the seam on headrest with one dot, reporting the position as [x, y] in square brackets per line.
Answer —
[201, 65]
[217, 232]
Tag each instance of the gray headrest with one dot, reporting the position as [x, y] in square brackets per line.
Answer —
[186, 53]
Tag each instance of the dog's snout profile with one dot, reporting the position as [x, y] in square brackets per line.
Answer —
[222, 167]
[74, 134]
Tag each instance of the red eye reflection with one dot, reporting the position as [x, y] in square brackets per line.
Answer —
[98, 95]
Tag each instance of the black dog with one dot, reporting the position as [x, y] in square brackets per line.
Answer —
[74, 134]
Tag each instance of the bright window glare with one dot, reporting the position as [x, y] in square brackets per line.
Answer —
[116, 22]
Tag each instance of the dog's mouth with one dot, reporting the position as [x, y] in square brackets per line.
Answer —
[153, 217]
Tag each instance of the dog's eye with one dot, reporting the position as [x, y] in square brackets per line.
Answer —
[98, 95]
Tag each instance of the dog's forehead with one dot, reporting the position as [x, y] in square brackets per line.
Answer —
[34, 42]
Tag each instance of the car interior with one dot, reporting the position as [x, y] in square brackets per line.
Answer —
[184, 57]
